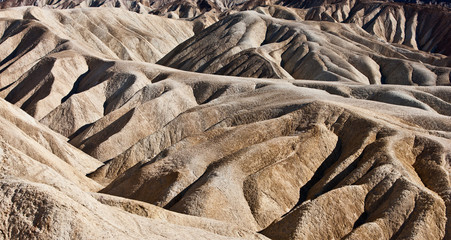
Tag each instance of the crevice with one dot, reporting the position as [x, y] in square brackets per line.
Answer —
[160, 77]
[38, 79]
[361, 220]
[14, 28]
[7, 86]
[95, 140]
[405, 223]
[44, 90]
[80, 130]
[181, 194]
[75, 86]
[91, 78]
[125, 82]
[29, 41]
[216, 94]
[327, 163]
[342, 175]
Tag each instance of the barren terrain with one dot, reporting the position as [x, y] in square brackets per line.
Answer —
[246, 120]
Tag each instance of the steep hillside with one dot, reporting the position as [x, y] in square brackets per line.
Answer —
[46, 195]
[254, 45]
[98, 141]
[132, 5]
[424, 27]
[38, 40]
[187, 8]
[113, 33]
[260, 153]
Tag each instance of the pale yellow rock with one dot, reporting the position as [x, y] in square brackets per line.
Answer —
[198, 156]
[250, 44]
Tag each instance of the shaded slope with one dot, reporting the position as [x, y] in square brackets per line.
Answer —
[226, 151]
[45, 51]
[424, 27]
[172, 8]
[114, 33]
[134, 5]
[281, 157]
[254, 45]
[45, 195]
[31, 140]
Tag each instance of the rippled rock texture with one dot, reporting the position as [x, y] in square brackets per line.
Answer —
[257, 127]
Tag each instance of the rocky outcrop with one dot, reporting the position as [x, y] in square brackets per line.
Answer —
[28, 145]
[249, 44]
[106, 146]
[237, 155]
[142, 6]
[424, 27]
[45, 195]
[173, 8]
[107, 32]
[39, 211]
[45, 52]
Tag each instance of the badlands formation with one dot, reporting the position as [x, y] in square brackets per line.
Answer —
[237, 120]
